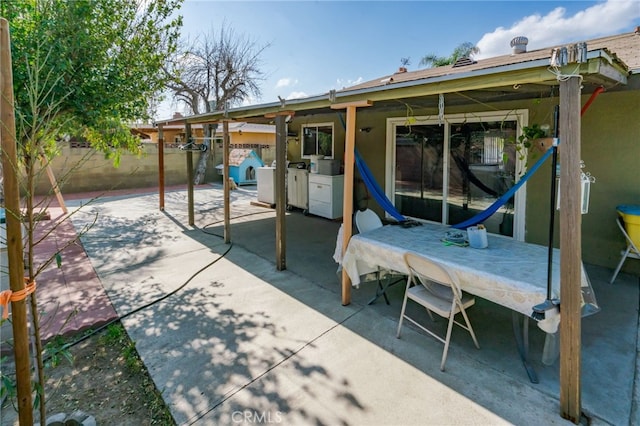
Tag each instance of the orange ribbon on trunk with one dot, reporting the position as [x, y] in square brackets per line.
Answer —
[15, 296]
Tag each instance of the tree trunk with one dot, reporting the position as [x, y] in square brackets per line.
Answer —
[201, 170]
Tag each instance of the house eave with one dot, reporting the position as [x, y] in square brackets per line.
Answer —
[600, 68]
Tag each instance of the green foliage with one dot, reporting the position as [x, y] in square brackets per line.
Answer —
[530, 133]
[465, 50]
[55, 351]
[7, 384]
[115, 334]
[98, 61]
[132, 360]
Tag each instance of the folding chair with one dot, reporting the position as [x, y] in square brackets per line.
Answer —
[631, 251]
[368, 220]
[437, 290]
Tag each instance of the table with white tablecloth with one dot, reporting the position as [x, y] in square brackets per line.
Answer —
[508, 272]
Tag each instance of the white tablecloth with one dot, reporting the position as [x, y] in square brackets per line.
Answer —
[510, 273]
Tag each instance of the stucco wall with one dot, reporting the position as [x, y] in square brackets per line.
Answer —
[82, 169]
[610, 149]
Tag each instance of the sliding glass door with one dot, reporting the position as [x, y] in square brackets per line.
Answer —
[450, 172]
[419, 183]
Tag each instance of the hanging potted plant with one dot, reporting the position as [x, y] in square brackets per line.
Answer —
[533, 136]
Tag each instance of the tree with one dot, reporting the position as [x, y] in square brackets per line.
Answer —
[87, 68]
[215, 71]
[465, 50]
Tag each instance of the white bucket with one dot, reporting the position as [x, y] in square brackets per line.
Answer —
[477, 237]
[313, 165]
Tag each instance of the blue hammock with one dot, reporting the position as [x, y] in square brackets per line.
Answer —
[385, 203]
[484, 215]
[388, 206]
[375, 189]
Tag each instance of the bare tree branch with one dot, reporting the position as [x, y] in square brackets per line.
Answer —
[217, 66]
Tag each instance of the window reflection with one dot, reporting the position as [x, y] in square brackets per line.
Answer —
[480, 167]
[317, 140]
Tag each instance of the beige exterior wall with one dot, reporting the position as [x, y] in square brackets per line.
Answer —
[83, 169]
[611, 153]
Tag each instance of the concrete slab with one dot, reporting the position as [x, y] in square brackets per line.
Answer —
[241, 337]
[223, 330]
[345, 378]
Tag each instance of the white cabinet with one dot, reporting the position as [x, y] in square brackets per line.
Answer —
[266, 184]
[298, 189]
[326, 195]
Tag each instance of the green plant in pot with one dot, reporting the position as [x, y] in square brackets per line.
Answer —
[528, 137]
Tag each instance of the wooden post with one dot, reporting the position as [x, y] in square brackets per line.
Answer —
[14, 229]
[225, 179]
[53, 181]
[347, 212]
[281, 168]
[347, 206]
[570, 249]
[189, 175]
[160, 168]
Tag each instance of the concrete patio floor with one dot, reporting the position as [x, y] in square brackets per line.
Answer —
[238, 342]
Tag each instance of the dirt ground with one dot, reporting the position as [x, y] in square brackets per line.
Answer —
[106, 380]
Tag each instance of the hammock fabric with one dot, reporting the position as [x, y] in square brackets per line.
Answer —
[375, 190]
[464, 168]
[485, 214]
[385, 203]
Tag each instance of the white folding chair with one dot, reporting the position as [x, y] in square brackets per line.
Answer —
[436, 289]
[631, 251]
[368, 220]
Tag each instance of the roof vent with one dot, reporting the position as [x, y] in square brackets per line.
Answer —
[519, 44]
[463, 62]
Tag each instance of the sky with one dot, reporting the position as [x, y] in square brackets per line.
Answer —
[317, 46]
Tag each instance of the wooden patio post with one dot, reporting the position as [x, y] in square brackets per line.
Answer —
[189, 175]
[347, 212]
[160, 168]
[281, 168]
[14, 229]
[225, 179]
[349, 161]
[570, 249]
[53, 181]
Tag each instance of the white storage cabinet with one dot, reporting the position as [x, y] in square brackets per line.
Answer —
[266, 184]
[326, 195]
[298, 189]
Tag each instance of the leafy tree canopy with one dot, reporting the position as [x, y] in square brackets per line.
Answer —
[88, 67]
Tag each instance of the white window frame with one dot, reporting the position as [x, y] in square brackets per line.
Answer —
[333, 139]
[521, 116]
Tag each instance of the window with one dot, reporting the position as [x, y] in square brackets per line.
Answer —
[449, 172]
[317, 139]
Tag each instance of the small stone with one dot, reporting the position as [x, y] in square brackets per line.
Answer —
[56, 419]
[89, 421]
[76, 418]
